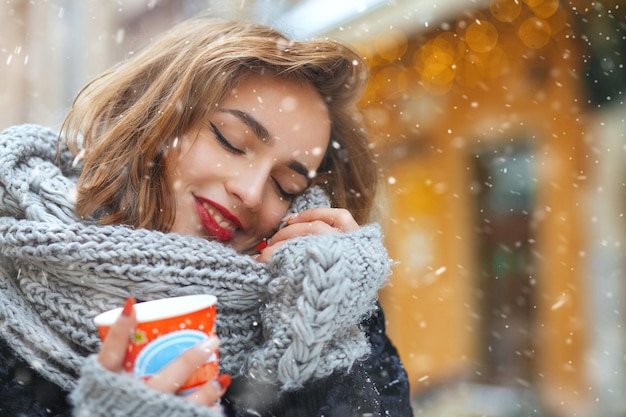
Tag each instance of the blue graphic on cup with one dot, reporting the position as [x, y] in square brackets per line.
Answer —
[163, 350]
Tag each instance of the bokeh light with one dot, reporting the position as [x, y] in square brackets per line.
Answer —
[464, 54]
[546, 8]
[481, 36]
[505, 10]
[436, 64]
[533, 3]
[535, 32]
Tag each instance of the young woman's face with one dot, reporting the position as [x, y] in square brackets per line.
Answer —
[234, 177]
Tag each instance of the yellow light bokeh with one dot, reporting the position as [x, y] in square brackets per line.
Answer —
[505, 10]
[466, 55]
[390, 81]
[435, 62]
[481, 36]
[535, 32]
[451, 43]
[533, 3]
[546, 8]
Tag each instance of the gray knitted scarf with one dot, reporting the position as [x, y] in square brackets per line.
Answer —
[291, 320]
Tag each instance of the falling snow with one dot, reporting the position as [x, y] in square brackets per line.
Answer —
[500, 135]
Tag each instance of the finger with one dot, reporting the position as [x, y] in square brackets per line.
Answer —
[291, 231]
[174, 375]
[210, 392]
[267, 253]
[316, 221]
[315, 227]
[338, 218]
[115, 344]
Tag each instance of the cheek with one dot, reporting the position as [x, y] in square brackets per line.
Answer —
[273, 213]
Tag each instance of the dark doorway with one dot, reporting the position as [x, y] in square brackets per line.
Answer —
[505, 187]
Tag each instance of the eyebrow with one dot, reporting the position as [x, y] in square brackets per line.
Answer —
[257, 128]
[264, 136]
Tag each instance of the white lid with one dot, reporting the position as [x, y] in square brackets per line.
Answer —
[160, 309]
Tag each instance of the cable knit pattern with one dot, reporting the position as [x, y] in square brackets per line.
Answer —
[285, 322]
[314, 303]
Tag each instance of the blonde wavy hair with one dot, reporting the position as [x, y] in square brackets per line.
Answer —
[121, 123]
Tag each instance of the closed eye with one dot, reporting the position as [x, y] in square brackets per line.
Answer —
[283, 194]
[224, 142]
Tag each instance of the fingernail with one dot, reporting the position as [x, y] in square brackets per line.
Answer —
[224, 380]
[289, 217]
[261, 245]
[128, 306]
[209, 345]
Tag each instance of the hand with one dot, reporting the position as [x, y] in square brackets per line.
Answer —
[113, 352]
[316, 221]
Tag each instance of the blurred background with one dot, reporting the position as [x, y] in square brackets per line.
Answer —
[499, 126]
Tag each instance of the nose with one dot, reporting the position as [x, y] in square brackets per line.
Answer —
[249, 186]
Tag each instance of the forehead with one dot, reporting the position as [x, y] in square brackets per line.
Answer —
[292, 112]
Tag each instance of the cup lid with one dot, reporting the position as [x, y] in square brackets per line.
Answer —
[160, 309]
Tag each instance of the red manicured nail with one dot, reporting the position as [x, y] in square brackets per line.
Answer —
[261, 245]
[224, 380]
[128, 306]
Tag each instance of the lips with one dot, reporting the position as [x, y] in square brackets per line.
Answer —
[216, 220]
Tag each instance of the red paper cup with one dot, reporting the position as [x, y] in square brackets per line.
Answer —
[165, 329]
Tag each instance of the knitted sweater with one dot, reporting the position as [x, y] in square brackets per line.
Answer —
[287, 324]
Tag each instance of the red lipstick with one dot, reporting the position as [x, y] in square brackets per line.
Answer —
[210, 224]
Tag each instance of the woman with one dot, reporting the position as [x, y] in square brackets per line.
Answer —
[224, 159]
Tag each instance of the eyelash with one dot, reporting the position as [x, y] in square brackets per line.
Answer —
[284, 194]
[224, 142]
[230, 148]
